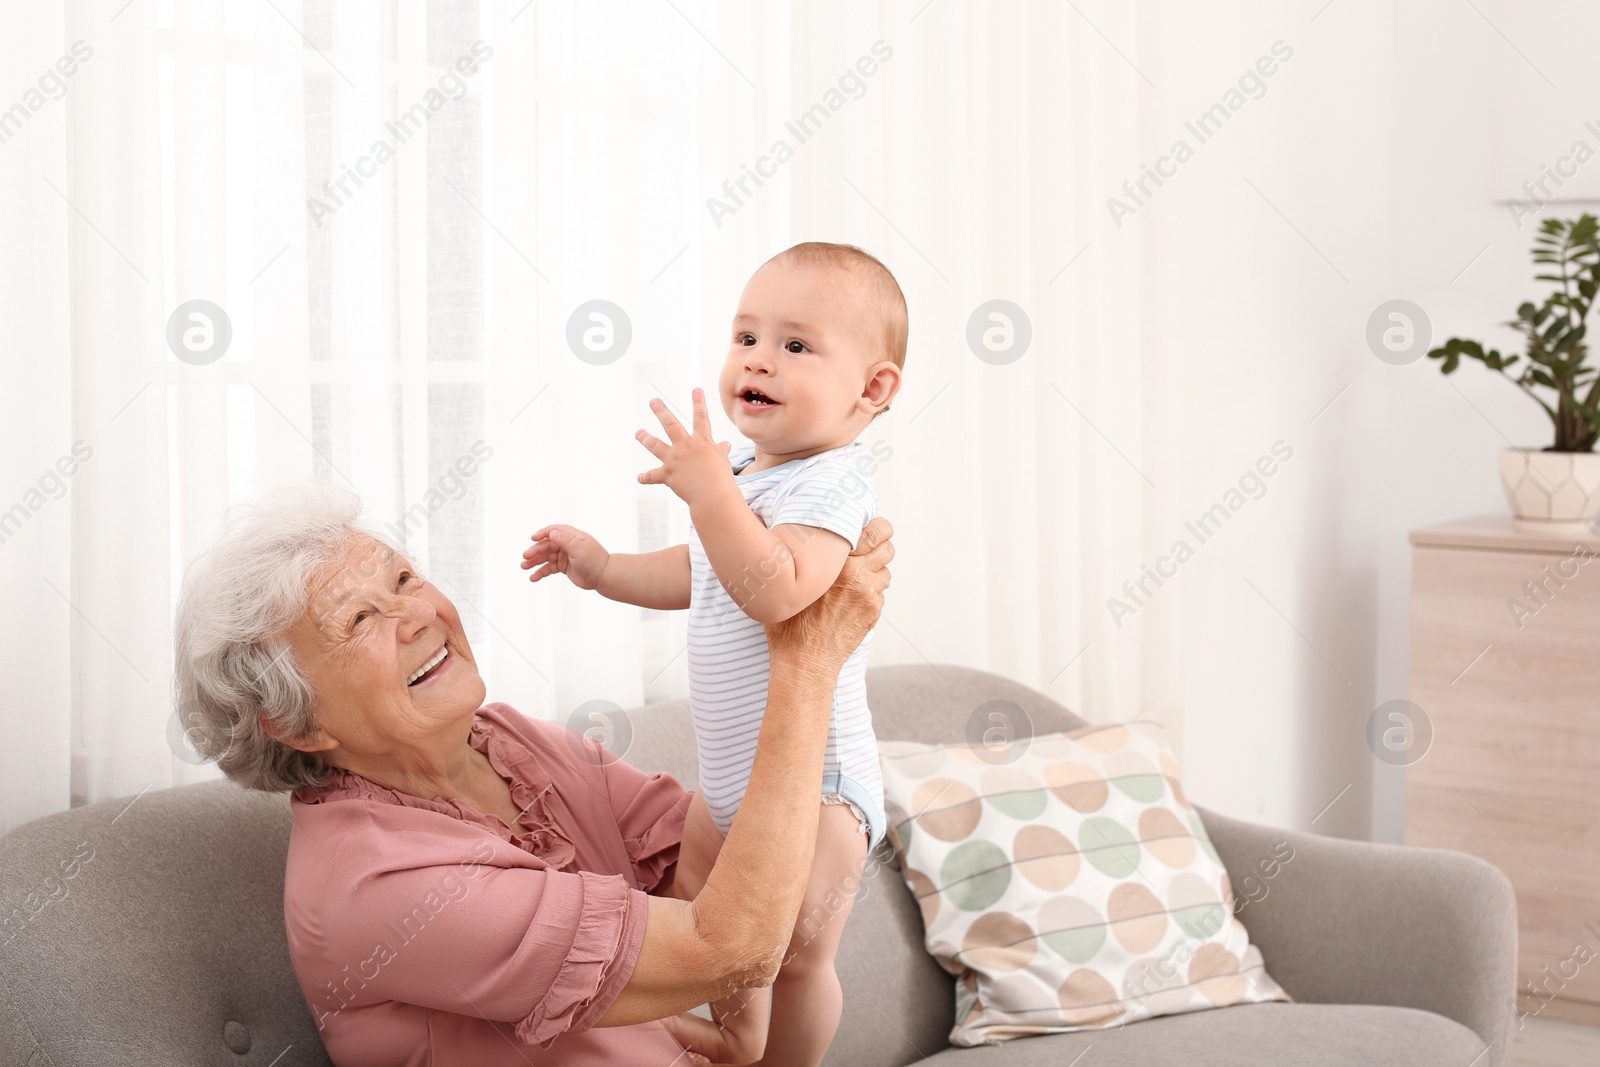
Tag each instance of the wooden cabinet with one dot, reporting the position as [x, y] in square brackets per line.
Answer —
[1505, 664]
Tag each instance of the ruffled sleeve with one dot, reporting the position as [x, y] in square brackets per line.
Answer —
[547, 951]
[606, 938]
[655, 851]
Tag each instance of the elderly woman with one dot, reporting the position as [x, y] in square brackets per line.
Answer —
[466, 885]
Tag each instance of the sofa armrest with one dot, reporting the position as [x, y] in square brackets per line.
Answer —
[1352, 922]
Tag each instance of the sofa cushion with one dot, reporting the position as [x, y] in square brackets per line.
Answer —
[1248, 1035]
[1066, 881]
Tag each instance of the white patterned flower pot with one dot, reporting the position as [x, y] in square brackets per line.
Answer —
[1551, 490]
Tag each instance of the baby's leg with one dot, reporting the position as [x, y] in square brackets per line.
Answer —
[740, 1029]
[806, 999]
[698, 852]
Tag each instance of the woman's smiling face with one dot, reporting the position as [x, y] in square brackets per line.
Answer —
[385, 655]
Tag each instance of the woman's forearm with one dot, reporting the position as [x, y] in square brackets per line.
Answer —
[734, 933]
[768, 852]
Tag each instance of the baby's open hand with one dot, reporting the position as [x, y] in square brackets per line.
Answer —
[692, 464]
[568, 550]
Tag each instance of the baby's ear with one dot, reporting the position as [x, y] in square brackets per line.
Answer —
[883, 382]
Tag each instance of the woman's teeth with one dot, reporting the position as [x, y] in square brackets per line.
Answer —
[433, 661]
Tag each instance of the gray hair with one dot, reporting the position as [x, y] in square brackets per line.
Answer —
[232, 660]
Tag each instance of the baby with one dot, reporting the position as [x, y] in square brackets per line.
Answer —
[815, 355]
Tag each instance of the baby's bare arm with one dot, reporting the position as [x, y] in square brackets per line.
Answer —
[771, 574]
[649, 579]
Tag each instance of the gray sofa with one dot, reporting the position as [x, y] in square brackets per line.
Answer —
[165, 945]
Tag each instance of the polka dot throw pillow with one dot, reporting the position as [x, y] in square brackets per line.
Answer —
[1066, 882]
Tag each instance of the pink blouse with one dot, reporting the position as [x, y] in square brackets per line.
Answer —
[425, 932]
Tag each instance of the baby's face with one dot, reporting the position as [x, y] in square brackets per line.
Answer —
[800, 354]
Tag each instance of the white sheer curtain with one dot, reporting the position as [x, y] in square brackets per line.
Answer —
[489, 168]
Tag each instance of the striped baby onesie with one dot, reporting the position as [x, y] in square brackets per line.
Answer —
[728, 663]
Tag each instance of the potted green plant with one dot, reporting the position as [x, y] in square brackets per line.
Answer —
[1558, 485]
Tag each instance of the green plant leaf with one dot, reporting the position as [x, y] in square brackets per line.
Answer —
[1554, 365]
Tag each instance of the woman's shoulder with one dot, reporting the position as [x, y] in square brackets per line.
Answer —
[355, 826]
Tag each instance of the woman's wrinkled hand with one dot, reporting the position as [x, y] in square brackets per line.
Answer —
[825, 634]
